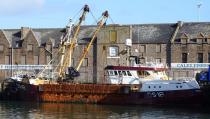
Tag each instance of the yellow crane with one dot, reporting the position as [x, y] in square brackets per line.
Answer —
[66, 49]
[75, 72]
[101, 23]
[69, 44]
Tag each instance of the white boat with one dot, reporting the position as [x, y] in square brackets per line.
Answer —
[148, 79]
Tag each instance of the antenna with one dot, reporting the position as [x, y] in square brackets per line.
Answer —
[199, 4]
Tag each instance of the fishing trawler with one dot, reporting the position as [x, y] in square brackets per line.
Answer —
[124, 85]
[137, 84]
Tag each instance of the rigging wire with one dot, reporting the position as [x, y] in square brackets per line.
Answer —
[77, 13]
[93, 17]
[111, 19]
[96, 22]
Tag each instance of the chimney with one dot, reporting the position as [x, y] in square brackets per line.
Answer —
[24, 32]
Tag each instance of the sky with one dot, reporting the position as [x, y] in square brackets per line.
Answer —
[15, 14]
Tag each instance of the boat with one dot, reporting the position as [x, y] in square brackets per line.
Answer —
[203, 79]
[123, 85]
[136, 84]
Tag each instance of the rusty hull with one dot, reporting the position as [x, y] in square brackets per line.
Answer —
[98, 93]
[85, 93]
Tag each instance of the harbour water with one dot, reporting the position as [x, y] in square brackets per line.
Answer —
[32, 110]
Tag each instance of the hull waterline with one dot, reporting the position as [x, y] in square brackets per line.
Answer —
[98, 94]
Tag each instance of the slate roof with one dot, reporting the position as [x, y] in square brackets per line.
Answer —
[13, 36]
[86, 33]
[194, 28]
[43, 35]
[141, 33]
[152, 33]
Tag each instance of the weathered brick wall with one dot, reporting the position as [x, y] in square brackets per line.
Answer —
[192, 50]
[103, 44]
[102, 49]
[6, 52]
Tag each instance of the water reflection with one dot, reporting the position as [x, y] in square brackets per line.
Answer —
[28, 110]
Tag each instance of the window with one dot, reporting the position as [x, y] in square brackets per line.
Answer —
[23, 59]
[85, 62]
[177, 40]
[1, 48]
[111, 73]
[193, 40]
[7, 59]
[143, 73]
[124, 73]
[120, 73]
[184, 57]
[158, 48]
[18, 44]
[208, 57]
[205, 40]
[113, 36]
[36, 60]
[142, 48]
[129, 73]
[200, 58]
[29, 47]
[113, 51]
[115, 73]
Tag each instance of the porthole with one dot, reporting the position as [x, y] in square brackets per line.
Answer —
[154, 86]
[148, 86]
[177, 86]
[159, 86]
[180, 86]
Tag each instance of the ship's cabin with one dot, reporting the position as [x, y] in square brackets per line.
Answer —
[133, 75]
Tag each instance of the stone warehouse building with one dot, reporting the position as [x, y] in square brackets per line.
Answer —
[187, 43]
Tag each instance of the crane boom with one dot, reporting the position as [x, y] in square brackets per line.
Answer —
[100, 24]
[67, 58]
[74, 40]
